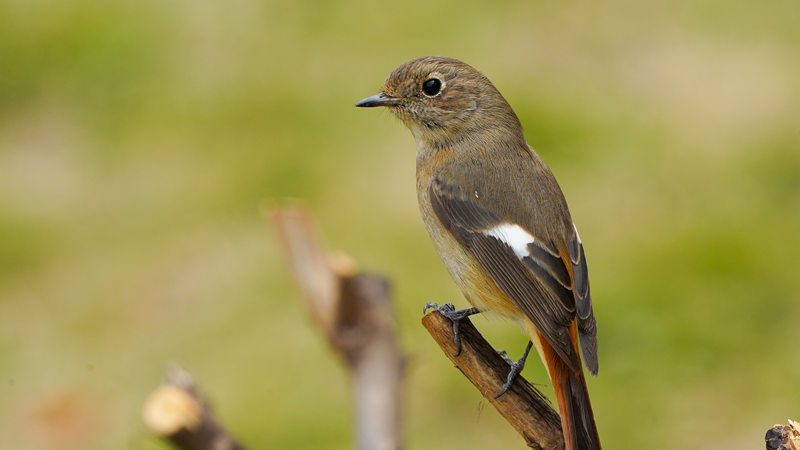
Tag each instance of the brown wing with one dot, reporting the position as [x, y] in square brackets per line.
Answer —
[587, 327]
[537, 281]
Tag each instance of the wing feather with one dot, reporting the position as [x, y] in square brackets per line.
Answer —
[539, 284]
[587, 327]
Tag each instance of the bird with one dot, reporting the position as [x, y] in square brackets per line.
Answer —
[500, 224]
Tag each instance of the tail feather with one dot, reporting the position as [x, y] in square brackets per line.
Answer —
[577, 419]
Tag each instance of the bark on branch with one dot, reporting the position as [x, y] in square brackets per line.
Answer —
[523, 406]
[355, 314]
[177, 413]
[784, 437]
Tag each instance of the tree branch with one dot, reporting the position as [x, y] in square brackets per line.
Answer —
[354, 312]
[783, 437]
[177, 413]
[523, 406]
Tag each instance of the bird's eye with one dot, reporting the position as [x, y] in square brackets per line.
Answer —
[431, 86]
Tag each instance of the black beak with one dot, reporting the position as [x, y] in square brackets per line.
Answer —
[378, 100]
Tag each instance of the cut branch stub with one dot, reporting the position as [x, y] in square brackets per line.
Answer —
[783, 437]
[310, 266]
[176, 413]
[354, 311]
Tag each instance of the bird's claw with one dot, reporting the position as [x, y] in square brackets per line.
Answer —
[505, 357]
[445, 309]
[456, 316]
[516, 368]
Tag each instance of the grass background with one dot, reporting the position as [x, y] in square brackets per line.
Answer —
[138, 140]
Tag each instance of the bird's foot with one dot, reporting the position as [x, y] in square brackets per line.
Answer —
[516, 368]
[456, 316]
[505, 356]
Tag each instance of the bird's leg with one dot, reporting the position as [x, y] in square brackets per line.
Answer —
[449, 311]
[516, 367]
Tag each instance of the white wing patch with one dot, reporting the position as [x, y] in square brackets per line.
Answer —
[576, 233]
[514, 236]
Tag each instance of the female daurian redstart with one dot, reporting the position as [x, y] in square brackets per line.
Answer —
[500, 223]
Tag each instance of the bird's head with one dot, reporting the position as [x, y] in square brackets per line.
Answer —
[443, 100]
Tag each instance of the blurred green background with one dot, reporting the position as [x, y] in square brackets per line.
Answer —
[139, 140]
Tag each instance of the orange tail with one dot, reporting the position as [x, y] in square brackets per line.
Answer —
[577, 420]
